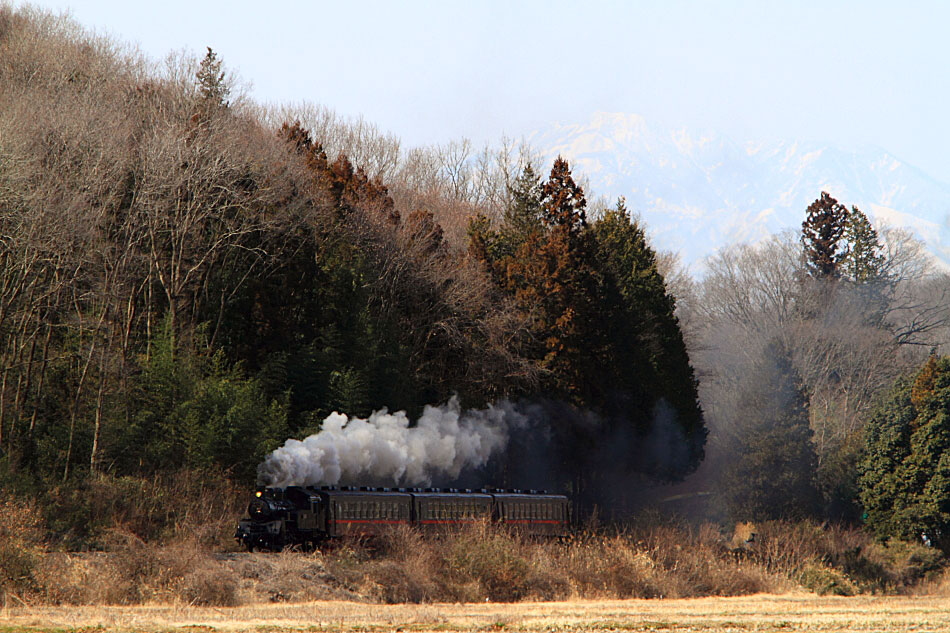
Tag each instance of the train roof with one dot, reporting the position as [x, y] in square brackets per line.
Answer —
[507, 492]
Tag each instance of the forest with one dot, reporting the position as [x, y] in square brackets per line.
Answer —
[188, 278]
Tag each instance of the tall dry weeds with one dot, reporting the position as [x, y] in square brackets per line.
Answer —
[169, 541]
[21, 546]
[185, 504]
[133, 571]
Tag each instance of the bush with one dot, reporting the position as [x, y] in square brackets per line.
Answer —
[21, 544]
[135, 572]
[825, 580]
[81, 514]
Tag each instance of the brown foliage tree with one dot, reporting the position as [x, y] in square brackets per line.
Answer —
[822, 229]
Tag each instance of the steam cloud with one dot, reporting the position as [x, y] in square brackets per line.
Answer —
[384, 447]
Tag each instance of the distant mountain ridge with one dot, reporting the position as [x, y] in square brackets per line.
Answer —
[700, 192]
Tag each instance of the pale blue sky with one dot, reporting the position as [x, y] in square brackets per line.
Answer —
[849, 73]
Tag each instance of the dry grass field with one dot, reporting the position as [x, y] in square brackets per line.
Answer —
[761, 612]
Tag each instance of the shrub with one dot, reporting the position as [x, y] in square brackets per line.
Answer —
[21, 544]
[825, 580]
[80, 515]
[134, 571]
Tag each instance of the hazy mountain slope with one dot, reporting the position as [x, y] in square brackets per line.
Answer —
[699, 192]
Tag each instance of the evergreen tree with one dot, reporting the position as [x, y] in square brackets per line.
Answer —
[213, 90]
[646, 345]
[193, 410]
[771, 474]
[523, 214]
[905, 474]
[822, 231]
[562, 201]
[521, 220]
[863, 260]
[557, 266]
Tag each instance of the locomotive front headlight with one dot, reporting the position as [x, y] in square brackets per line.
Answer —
[258, 493]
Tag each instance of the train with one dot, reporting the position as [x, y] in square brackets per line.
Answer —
[309, 515]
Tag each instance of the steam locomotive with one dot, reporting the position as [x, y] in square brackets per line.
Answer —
[297, 515]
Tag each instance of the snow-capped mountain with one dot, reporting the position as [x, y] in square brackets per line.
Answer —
[699, 192]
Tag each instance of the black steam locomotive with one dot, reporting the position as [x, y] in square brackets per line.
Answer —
[299, 515]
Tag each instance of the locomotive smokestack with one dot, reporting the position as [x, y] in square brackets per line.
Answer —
[444, 442]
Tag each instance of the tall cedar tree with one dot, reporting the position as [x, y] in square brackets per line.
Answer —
[822, 230]
[563, 205]
[647, 360]
[604, 326]
[550, 274]
[863, 259]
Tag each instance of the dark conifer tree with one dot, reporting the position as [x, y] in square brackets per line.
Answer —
[822, 231]
[213, 89]
[647, 354]
[563, 201]
[905, 474]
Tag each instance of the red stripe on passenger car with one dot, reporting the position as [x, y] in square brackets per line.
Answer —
[370, 521]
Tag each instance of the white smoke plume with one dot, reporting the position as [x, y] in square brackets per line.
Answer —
[444, 442]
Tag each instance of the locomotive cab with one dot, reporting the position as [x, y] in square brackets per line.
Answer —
[307, 511]
[281, 516]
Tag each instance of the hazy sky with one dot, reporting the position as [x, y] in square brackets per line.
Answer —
[849, 73]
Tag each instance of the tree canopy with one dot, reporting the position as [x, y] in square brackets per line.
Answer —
[905, 474]
[602, 328]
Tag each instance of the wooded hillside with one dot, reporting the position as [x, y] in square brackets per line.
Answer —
[186, 279]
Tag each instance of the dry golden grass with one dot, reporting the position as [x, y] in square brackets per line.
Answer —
[482, 564]
[150, 547]
[761, 612]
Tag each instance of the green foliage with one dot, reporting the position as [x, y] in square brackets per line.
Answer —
[837, 477]
[905, 474]
[523, 215]
[213, 90]
[603, 328]
[191, 410]
[520, 222]
[863, 259]
[647, 346]
[310, 330]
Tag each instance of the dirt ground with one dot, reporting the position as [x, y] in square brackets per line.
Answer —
[796, 612]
